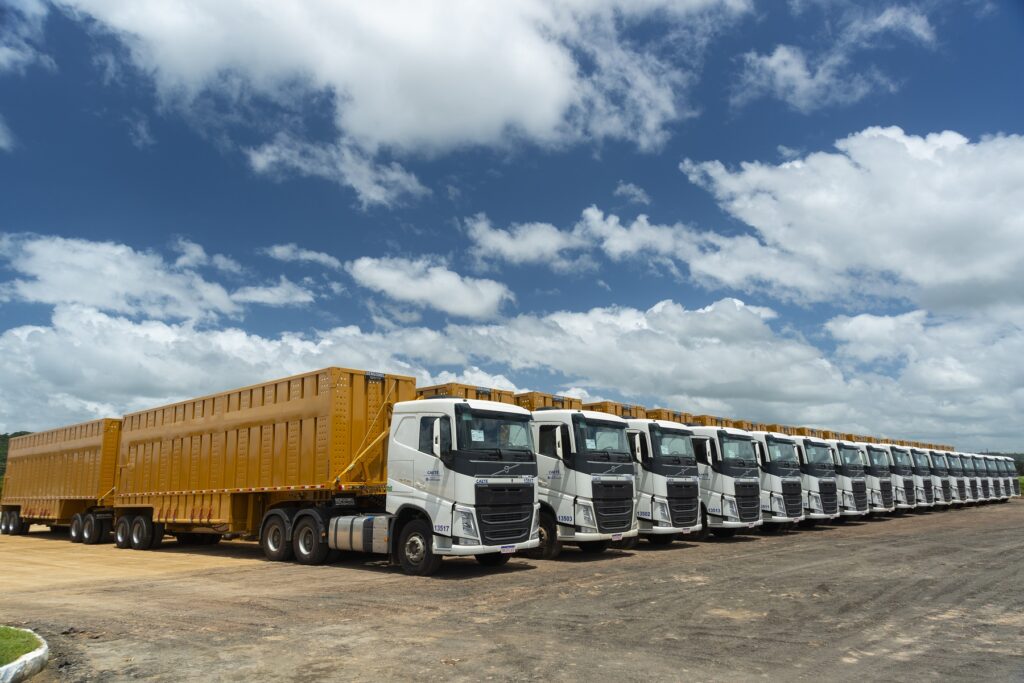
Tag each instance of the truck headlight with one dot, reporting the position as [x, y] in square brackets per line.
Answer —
[464, 525]
[585, 517]
[876, 499]
[535, 527]
[729, 508]
[778, 505]
[814, 500]
[661, 512]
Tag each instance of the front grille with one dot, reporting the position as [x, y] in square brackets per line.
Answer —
[749, 508]
[791, 498]
[1016, 486]
[946, 491]
[613, 504]
[829, 499]
[683, 503]
[998, 488]
[984, 488]
[961, 488]
[505, 513]
[908, 490]
[974, 489]
[886, 489]
[860, 494]
[929, 495]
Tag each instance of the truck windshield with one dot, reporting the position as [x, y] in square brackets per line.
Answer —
[737, 449]
[485, 430]
[879, 460]
[603, 436]
[991, 466]
[818, 454]
[968, 464]
[921, 464]
[904, 465]
[852, 457]
[954, 466]
[672, 443]
[783, 451]
[939, 467]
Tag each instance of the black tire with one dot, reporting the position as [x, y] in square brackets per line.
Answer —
[185, 538]
[550, 547]
[17, 524]
[274, 540]
[702, 535]
[158, 535]
[75, 532]
[4, 517]
[123, 532]
[593, 547]
[493, 559]
[142, 533]
[626, 543]
[308, 544]
[209, 539]
[415, 549]
[660, 539]
[723, 533]
[92, 530]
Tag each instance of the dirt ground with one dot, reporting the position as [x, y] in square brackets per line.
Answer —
[937, 595]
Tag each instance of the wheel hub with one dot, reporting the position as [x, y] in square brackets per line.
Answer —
[415, 548]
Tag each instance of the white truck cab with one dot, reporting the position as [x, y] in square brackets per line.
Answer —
[1012, 479]
[820, 490]
[902, 468]
[667, 490]
[878, 477]
[779, 470]
[942, 481]
[973, 480]
[585, 480]
[995, 478]
[921, 466]
[985, 491]
[729, 484]
[850, 462]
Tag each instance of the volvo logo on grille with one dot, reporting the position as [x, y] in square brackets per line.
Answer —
[505, 470]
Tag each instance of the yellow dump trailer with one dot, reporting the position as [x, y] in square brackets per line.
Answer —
[709, 420]
[217, 463]
[669, 415]
[624, 410]
[535, 400]
[56, 475]
[455, 390]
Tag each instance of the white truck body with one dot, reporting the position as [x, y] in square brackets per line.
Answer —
[901, 467]
[985, 492]
[851, 481]
[470, 466]
[818, 477]
[878, 476]
[729, 483]
[923, 489]
[995, 477]
[942, 482]
[779, 469]
[960, 488]
[667, 499]
[1010, 467]
[973, 484]
[585, 478]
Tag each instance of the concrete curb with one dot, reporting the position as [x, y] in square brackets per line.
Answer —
[26, 666]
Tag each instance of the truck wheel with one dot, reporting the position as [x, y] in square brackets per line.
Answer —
[142, 533]
[123, 532]
[209, 539]
[661, 539]
[18, 525]
[593, 547]
[91, 529]
[723, 533]
[158, 536]
[702, 535]
[493, 559]
[309, 547]
[550, 547]
[416, 549]
[4, 517]
[77, 524]
[274, 541]
[185, 538]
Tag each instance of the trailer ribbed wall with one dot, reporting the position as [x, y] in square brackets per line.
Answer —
[221, 460]
[455, 390]
[55, 474]
[534, 400]
[621, 409]
[669, 415]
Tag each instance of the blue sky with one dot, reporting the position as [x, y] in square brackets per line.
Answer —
[803, 211]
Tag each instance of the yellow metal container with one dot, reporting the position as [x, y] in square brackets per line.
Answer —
[455, 390]
[219, 461]
[781, 429]
[534, 400]
[624, 410]
[808, 431]
[709, 420]
[669, 415]
[745, 425]
[56, 474]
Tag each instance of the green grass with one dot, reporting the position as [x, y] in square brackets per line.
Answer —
[15, 643]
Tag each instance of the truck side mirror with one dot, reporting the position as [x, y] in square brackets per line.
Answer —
[634, 442]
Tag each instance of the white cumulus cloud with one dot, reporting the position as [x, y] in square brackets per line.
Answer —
[293, 252]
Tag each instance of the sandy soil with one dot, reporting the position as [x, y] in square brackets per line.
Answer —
[938, 595]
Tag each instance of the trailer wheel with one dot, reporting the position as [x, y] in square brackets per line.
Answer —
[593, 547]
[211, 539]
[123, 532]
[158, 536]
[307, 544]
[493, 559]
[416, 549]
[550, 547]
[142, 533]
[4, 517]
[661, 539]
[274, 540]
[77, 525]
[19, 526]
[91, 530]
